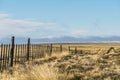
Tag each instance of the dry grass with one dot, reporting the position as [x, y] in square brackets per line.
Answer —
[66, 66]
[58, 55]
[33, 71]
[53, 56]
[30, 72]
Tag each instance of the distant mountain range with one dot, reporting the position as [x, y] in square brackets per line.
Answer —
[66, 39]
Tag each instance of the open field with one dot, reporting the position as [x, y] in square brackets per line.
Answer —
[91, 45]
[93, 63]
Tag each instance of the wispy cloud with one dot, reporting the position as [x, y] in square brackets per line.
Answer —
[11, 26]
[3, 15]
[78, 32]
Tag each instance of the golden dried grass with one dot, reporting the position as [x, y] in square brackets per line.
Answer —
[30, 72]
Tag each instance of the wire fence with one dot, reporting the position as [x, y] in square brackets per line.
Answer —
[11, 54]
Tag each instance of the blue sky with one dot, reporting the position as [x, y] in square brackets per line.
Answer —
[56, 18]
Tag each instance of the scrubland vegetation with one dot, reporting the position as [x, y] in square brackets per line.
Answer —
[97, 65]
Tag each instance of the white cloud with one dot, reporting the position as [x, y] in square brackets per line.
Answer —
[2, 15]
[35, 29]
[11, 26]
[69, 31]
[78, 32]
[62, 32]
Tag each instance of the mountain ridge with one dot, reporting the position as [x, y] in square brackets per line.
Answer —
[65, 39]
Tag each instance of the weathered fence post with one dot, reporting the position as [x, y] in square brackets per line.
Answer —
[69, 49]
[75, 50]
[15, 54]
[81, 51]
[12, 52]
[1, 58]
[61, 48]
[50, 48]
[28, 49]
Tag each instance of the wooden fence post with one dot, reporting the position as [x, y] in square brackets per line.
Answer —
[15, 53]
[50, 48]
[8, 54]
[1, 57]
[81, 51]
[5, 56]
[28, 49]
[61, 48]
[75, 50]
[12, 52]
[69, 49]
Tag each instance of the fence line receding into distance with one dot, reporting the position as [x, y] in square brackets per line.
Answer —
[12, 53]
